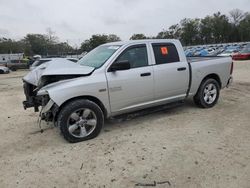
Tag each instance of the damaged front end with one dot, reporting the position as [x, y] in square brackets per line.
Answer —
[35, 100]
[46, 75]
[32, 100]
[36, 97]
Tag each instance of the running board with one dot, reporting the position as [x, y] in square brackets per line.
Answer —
[144, 112]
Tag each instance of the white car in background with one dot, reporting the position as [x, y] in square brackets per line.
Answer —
[45, 60]
[229, 52]
[4, 70]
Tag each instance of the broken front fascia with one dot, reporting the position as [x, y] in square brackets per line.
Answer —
[57, 68]
[47, 107]
[50, 74]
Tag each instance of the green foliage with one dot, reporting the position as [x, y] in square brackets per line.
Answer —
[174, 32]
[190, 31]
[38, 43]
[97, 40]
[35, 44]
[244, 28]
[10, 46]
[217, 28]
[138, 36]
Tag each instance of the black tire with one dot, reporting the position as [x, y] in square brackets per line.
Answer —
[69, 109]
[13, 68]
[1, 72]
[199, 98]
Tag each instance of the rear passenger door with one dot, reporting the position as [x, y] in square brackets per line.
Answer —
[171, 76]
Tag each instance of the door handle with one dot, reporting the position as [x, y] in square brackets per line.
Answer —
[181, 69]
[145, 74]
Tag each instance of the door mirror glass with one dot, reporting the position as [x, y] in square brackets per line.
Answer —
[120, 65]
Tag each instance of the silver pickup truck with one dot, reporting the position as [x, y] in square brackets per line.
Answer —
[122, 77]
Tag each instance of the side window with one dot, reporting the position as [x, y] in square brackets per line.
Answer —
[137, 56]
[165, 53]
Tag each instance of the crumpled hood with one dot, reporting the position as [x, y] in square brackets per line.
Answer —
[56, 67]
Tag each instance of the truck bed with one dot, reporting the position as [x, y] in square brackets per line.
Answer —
[198, 58]
[203, 66]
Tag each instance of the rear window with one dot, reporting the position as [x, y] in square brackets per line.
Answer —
[165, 53]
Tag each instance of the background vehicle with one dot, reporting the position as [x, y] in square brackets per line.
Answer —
[4, 70]
[45, 60]
[13, 61]
[214, 50]
[122, 77]
[244, 54]
[228, 52]
[17, 64]
[5, 58]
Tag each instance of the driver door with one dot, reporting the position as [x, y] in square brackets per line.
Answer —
[131, 89]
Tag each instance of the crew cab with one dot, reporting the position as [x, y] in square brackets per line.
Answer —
[122, 77]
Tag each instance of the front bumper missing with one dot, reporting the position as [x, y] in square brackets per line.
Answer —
[33, 102]
[31, 99]
[28, 104]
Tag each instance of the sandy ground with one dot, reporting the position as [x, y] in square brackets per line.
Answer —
[180, 147]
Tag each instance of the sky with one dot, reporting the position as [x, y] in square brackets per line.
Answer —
[74, 21]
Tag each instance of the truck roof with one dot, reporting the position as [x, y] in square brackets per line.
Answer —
[142, 41]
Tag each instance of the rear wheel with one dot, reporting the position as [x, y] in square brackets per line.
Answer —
[80, 120]
[1, 72]
[208, 93]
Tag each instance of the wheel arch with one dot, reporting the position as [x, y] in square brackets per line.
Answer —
[214, 76]
[85, 97]
[198, 97]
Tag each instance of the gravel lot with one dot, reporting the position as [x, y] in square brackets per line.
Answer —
[179, 147]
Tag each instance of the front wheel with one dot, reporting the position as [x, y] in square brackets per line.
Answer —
[13, 69]
[208, 93]
[80, 120]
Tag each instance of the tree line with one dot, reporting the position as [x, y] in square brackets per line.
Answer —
[216, 28]
[33, 44]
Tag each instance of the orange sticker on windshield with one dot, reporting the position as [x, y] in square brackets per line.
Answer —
[164, 50]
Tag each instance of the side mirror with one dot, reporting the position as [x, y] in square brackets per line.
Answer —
[120, 65]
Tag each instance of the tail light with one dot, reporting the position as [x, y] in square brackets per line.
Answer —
[232, 68]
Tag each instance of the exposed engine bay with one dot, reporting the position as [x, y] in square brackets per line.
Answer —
[46, 74]
[30, 90]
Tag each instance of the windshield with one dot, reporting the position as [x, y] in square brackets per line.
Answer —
[97, 57]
